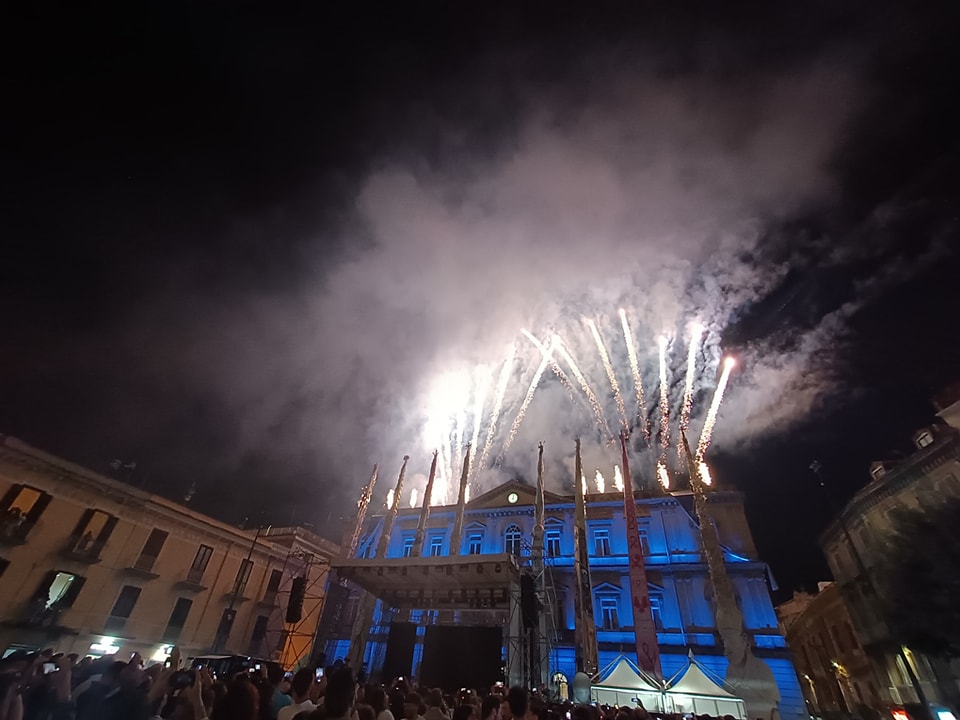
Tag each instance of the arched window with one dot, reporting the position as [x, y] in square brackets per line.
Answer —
[511, 540]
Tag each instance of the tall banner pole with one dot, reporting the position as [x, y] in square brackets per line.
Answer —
[421, 537]
[750, 676]
[456, 538]
[645, 631]
[361, 626]
[585, 629]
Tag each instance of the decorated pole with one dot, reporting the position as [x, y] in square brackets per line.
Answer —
[539, 528]
[750, 676]
[361, 626]
[455, 538]
[421, 536]
[585, 629]
[363, 505]
[645, 631]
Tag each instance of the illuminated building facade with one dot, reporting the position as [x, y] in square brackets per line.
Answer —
[502, 521]
[854, 542]
[93, 566]
[835, 673]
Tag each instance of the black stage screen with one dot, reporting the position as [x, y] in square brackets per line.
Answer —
[456, 656]
[399, 658]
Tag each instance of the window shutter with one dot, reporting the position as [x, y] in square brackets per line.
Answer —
[104, 535]
[9, 496]
[38, 507]
[75, 587]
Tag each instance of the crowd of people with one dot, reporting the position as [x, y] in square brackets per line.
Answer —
[46, 686]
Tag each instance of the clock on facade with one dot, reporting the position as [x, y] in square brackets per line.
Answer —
[512, 498]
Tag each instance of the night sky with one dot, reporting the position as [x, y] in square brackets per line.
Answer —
[214, 216]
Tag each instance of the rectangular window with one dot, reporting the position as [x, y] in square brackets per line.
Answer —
[151, 549]
[199, 565]
[178, 618]
[474, 543]
[436, 546]
[552, 541]
[20, 509]
[273, 584]
[601, 539]
[609, 618]
[259, 635]
[243, 574]
[644, 540]
[123, 607]
[407, 546]
[57, 591]
[656, 610]
[91, 534]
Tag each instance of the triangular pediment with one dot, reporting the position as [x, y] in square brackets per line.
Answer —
[523, 495]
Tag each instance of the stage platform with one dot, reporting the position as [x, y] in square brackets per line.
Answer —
[465, 582]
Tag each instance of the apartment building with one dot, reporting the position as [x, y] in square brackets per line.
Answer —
[93, 566]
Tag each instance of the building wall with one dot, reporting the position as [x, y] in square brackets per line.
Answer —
[677, 573]
[918, 481]
[55, 540]
[836, 673]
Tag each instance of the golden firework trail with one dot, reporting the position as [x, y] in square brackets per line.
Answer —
[443, 469]
[611, 376]
[505, 372]
[389, 501]
[637, 378]
[617, 478]
[413, 497]
[705, 477]
[528, 398]
[484, 379]
[707, 433]
[664, 401]
[557, 370]
[585, 386]
[599, 481]
[663, 476]
[687, 406]
[583, 484]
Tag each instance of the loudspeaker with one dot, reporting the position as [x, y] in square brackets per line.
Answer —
[298, 588]
[529, 604]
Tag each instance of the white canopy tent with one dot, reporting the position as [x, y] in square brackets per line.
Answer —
[695, 689]
[625, 684]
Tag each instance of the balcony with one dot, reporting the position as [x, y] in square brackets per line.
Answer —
[114, 625]
[81, 549]
[143, 567]
[193, 580]
[14, 528]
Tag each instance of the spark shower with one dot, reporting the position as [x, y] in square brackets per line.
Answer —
[468, 405]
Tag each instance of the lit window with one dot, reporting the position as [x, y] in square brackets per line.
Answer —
[436, 546]
[474, 543]
[407, 546]
[20, 508]
[924, 439]
[601, 539]
[91, 534]
[609, 612]
[552, 538]
[512, 539]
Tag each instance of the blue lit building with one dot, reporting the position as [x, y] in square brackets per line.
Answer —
[502, 521]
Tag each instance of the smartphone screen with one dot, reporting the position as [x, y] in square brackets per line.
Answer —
[49, 668]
